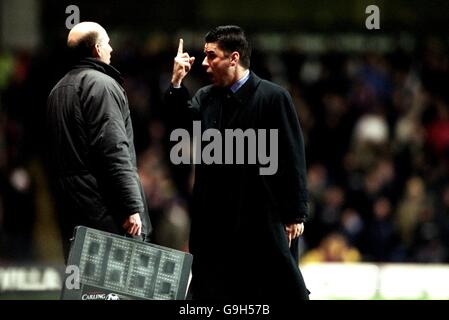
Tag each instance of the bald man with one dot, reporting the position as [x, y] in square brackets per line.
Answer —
[92, 161]
[89, 38]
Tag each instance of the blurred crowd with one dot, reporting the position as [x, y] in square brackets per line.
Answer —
[376, 128]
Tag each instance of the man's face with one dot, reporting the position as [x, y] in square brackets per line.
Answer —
[104, 48]
[218, 65]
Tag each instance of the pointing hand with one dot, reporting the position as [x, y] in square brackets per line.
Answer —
[182, 65]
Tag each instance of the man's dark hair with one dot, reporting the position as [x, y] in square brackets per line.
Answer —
[83, 47]
[230, 39]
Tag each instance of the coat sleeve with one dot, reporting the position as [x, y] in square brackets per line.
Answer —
[289, 184]
[105, 113]
[179, 109]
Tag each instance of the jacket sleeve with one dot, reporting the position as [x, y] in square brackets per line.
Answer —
[179, 109]
[105, 113]
[289, 184]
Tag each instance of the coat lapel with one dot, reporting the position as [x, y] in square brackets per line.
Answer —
[241, 103]
[238, 105]
[246, 92]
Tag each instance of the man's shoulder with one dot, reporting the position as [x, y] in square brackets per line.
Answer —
[96, 81]
[86, 81]
[96, 76]
[85, 76]
[271, 87]
[275, 96]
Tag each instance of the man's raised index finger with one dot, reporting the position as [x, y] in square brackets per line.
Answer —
[180, 47]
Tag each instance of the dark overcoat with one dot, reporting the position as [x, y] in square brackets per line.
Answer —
[91, 156]
[237, 234]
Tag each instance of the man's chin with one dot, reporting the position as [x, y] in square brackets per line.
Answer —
[214, 83]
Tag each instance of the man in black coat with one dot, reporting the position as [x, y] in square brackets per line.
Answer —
[92, 161]
[244, 216]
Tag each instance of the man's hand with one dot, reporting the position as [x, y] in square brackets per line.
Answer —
[133, 224]
[294, 230]
[182, 65]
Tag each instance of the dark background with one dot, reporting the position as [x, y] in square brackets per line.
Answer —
[381, 199]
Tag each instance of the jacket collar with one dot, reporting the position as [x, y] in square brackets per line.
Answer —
[92, 63]
[244, 94]
[247, 90]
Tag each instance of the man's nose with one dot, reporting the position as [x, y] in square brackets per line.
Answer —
[205, 63]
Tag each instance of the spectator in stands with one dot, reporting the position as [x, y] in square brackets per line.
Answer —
[333, 248]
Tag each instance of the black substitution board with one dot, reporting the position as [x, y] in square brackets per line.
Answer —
[113, 267]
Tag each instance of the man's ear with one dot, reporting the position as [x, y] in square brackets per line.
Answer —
[235, 58]
[96, 51]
